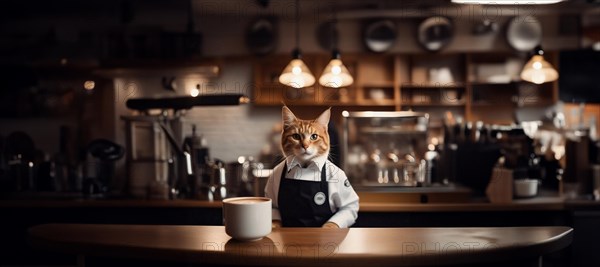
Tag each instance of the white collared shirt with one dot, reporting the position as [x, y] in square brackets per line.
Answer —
[343, 200]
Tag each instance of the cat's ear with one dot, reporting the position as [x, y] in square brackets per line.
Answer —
[288, 117]
[323, 119]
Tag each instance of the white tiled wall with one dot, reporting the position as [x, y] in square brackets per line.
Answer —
[233, 131]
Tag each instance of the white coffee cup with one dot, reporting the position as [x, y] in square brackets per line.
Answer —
[247, 218]
[526, 187]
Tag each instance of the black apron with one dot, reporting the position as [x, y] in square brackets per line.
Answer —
[304, 203]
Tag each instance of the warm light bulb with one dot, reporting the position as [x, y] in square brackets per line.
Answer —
[507, 2]
[297, 75]
[336, 75]
[296, 70]
[538, 71]
[336, 70]
[89, 85]
[194, 92]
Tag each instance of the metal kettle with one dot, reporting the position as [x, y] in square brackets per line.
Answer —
[217, 188]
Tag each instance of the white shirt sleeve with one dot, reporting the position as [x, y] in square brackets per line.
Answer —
[272, 190]
[346, 201]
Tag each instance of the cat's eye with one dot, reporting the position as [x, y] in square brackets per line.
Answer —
[296, 136]
[314, 137]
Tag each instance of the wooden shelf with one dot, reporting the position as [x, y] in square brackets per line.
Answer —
[488, 104]
[537, 104]
[311, 103]
[433, 86]
[480, 83]
[385, 102]
[398, 81]
[433, 104]
[372, 84]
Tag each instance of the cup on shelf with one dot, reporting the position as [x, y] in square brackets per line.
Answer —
[526, 187]
[377, 94]
[421, 98]
[441, 76]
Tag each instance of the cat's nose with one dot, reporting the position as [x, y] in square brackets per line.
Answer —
[305, 146]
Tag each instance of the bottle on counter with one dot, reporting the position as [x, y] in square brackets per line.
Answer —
[485, 134]
[476, 132]
[195, 145]
[431, 159]
[459, 133]
[21, 172]
[68, 175]
[46, 175]
[468, 132]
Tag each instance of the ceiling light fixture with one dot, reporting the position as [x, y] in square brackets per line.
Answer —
[507, 2]
[296, 74]
[537, 70]
[335, 75]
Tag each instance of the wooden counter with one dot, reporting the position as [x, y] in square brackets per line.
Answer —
[538, 203]
[109, 203]
[19, 215]
[306, 246]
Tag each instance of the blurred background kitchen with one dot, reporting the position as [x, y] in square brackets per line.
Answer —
[180, 100]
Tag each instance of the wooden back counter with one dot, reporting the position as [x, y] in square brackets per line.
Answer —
[367, 204]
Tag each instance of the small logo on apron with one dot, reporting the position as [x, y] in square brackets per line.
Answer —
[319, 198]
[347, 183]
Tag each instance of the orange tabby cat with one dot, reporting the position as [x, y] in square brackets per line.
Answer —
[308, 190]
[305, 139]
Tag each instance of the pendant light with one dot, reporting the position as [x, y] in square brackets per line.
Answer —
[296, 74]
[335, 75]
[538, 70]
[507, 2]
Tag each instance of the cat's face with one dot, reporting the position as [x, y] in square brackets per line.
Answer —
[305, 139]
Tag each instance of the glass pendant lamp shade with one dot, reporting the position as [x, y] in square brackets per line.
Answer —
[538, 70]
[296, 74]
[507, 2]
[336, 75]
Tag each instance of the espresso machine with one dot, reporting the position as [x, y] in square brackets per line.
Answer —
[150, 159]
[385, 148]
[160, 165]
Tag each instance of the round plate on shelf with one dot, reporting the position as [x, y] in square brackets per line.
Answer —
[435, 33]
[261, 37]
[327, 35]
[380, 35]
[524, 33]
